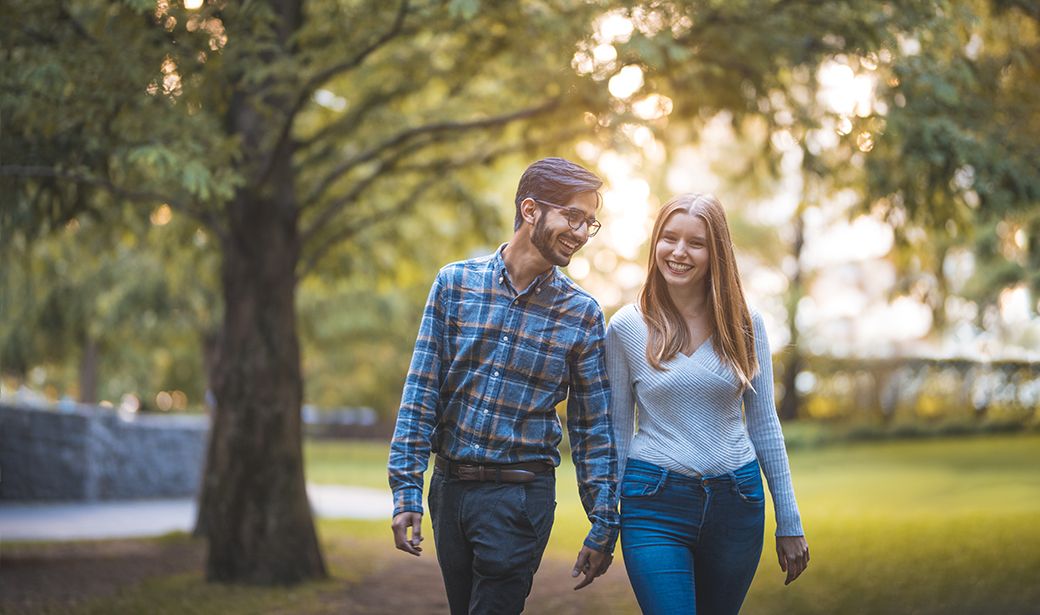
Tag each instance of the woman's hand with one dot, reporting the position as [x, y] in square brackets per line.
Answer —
[793, 553]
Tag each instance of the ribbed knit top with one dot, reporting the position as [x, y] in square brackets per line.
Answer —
[689, 416]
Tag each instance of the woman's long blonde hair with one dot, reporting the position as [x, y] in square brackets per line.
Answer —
[734, 337]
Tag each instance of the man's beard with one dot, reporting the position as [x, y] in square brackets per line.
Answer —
[542, 239]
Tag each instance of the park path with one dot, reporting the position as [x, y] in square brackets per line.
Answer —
[67, 572]
[406, 584]
[61, 576]
[139, 518]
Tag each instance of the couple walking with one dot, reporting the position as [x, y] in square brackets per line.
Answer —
[504, 338]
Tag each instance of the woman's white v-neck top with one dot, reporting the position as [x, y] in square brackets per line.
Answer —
[690, 417]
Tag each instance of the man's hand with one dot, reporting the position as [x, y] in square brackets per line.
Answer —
[793, 553]
[400, 525]
[591, 563]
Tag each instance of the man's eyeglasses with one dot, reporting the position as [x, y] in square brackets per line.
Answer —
[575, 217]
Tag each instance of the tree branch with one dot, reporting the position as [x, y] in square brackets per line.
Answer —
[202, 216]
[324, 75]
[355, 118]
[330, 72]
[435, 171]
[63, 12]
[486, 157]
[360, 224]
[334, 208]
[403, 137]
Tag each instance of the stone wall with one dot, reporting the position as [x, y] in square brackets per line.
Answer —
[89, 453]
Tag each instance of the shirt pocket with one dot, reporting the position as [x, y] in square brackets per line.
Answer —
[540, 354]
[471, 329]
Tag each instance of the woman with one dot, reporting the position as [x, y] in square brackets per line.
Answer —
[691, 357]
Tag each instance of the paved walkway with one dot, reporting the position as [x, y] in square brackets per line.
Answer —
[135, 518]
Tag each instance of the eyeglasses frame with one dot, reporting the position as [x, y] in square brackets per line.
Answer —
[593, 227]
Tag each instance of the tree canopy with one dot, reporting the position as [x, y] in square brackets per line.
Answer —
[318, 158]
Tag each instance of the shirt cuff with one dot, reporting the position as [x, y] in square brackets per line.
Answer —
[602, 538]
[407, 500]
[790, 527]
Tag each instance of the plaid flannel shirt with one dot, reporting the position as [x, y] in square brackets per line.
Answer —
[490, 365]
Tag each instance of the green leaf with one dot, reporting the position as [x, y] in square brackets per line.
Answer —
[467, 9]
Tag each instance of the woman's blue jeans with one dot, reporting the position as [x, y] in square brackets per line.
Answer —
[691, 545]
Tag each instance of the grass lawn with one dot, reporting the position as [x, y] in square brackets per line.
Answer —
[336, 462]
[925, 527]
[933, 526]
[918, 526]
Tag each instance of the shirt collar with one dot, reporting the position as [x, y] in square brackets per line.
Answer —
[502, 275]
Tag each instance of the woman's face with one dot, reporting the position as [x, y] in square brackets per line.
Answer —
[681, 252]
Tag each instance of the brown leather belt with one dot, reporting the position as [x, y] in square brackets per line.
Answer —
[501, 472]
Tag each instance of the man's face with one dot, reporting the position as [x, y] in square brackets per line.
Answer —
[555, 240]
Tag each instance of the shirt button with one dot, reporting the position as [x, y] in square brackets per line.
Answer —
[485, 412]
[476, 446]
[496, 375]
[501, 279]
[505, 338]
[538, 290]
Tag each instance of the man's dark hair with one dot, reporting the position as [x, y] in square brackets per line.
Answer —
[555, 180]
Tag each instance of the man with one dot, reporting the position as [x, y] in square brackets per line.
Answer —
[504, 338]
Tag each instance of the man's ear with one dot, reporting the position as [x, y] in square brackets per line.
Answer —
[528, 209]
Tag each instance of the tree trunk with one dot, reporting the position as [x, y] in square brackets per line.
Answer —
[257, 518]
[792, 399]
[210, 342]
[791, 402]
[256, 515]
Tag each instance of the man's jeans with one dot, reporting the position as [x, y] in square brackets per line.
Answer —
[691, 545]
[490, 538]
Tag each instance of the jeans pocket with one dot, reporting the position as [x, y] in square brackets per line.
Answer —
[640, 485]
[433, 496]
[750, 490]
[538, 503]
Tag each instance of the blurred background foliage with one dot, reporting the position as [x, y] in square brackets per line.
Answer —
[916, 120]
